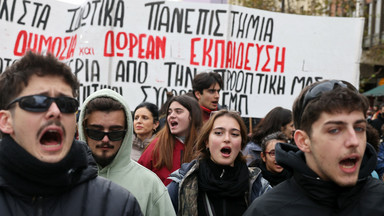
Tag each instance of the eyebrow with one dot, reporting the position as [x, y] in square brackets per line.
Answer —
[343, 122]
[222, 128]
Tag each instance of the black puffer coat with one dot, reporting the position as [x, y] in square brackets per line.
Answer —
[306, 194]
[70, 187]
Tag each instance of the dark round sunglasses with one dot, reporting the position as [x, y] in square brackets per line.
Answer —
[99, 135]
[41, 103]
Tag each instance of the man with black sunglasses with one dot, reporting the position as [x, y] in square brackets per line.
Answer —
[105, 123]
[43, 170]
[332, 162]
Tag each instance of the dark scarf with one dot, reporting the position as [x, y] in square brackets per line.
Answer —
[223, 181]
[28, 175]
[225, 186]
[274, 178]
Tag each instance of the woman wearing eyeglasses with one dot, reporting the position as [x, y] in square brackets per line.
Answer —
[174, 143]
[272, 171]
[145, 123]
[218, 182]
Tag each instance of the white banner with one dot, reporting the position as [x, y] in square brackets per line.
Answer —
[143, 49]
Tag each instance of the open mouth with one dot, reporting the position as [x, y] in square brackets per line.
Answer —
[226, 151]
[173, 123]
[51, 138]
[348, 163]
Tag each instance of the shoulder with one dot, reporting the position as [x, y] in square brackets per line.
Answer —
[103, 192]
[277, 201]
[141, 173]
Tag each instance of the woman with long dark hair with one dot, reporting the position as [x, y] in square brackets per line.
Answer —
[174, 143]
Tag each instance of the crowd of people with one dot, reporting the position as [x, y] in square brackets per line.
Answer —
[191, 157]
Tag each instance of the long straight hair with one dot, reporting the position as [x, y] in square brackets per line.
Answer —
[163, 150]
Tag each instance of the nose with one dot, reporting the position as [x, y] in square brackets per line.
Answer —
[105, 138]
[226, 137]
[53, 111]
[352, 139]
[217, 95]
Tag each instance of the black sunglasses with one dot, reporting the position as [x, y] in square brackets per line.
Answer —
[317, 90]
[99, 135]
[41, 103]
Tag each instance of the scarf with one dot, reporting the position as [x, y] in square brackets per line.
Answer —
[274, 178]
[30, 176]
[223, 181]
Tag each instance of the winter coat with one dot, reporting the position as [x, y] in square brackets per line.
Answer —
[184, 187]
[252, 153]
[151, 194]
[306, 194]
[60, 188]
[148, 161]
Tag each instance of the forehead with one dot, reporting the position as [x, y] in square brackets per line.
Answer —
[215, 86]
[143, 111]
[226, 122]
[176, 105]
[44, 84]
[342, 117]
[106, 118]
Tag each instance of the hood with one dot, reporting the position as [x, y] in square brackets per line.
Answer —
[291, 158]
[123, 157]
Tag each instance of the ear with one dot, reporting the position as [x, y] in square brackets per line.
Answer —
[302, 140]
[6, 122]
[262, 155]
[155, 125]
[197, 95]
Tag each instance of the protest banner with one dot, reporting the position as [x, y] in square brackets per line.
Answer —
[143, 49]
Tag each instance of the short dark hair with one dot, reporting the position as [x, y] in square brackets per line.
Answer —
[151, 108]
[16, 77]
[104, 104]
[273, 136]
[333, 96]
[204, 80]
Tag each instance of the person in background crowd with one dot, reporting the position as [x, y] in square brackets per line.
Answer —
[163, 111]
[145, 123]
[278, 119]
[43, 170]
[206, 87]
[376, 111]
[272, 171]
[378, 122]
[218, 182]
[380, 158]
[174, 143]
[331, 162]
[105, 123]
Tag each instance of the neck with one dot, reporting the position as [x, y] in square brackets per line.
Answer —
[144, 136]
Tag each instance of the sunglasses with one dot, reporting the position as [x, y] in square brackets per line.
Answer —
[317, 90]
[41, 103]
[99, 135]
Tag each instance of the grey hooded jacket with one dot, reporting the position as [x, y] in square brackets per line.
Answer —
[148, 189]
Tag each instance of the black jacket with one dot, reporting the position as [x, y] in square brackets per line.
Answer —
[306, 194]
[70, 187]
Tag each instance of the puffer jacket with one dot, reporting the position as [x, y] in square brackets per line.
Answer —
[306, 194]
[73, 190]
[184, 187]
[148, 189]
